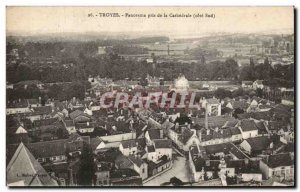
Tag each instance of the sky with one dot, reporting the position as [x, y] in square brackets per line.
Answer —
[45, 20]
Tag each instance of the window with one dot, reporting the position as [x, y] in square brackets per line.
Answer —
[143, 170]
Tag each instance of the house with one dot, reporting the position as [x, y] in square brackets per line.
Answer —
[102, 174]
[256, 145]
[279, 165]
[24, 170]
[247, 84]
[17, 107]
[183, 137]
[248, 128]
[258, 84]
[79, 116]
[162, 164]
[128, 147]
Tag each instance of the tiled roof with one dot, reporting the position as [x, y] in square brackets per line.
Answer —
[154, 133]
[213, 101]
[136, 160]
[259, 143]
[44, 122]
[282, 159]
[162, 143]
[22, 164]
[128, 143]
[150, 148]
[248, 125]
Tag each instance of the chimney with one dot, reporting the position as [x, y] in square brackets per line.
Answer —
[207, 131]
[206, 119]
[161, 133]
[217, 129]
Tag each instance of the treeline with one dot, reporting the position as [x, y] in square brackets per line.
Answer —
[60, 92]
[276, 76]
[116, 67]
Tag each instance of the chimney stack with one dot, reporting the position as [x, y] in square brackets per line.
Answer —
[206, 119]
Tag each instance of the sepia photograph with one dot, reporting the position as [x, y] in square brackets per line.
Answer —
[157, 96]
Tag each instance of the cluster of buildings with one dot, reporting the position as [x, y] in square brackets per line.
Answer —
[231, 141]
[127, 149]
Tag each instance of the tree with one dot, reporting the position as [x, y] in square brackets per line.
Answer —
[87, 167]
[259, 92]
[222, 93]
[176, 182]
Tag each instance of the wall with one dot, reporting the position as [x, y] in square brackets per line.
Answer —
[119, 137]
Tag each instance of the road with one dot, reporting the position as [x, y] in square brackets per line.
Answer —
[179, 170]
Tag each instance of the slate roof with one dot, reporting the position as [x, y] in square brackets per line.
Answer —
[69, 123]
[261, 127]
[240, 104]
[162, 143]
[218, 148]
[42, 110]
[154, 133]
[235, 131]
[218, 121]
[84, 125]
[185, 136]
[282, 159]
[47, 148]
[77, 113]
[259, 143]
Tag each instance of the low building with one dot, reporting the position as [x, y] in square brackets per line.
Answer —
[125, 177]
[279, 165]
